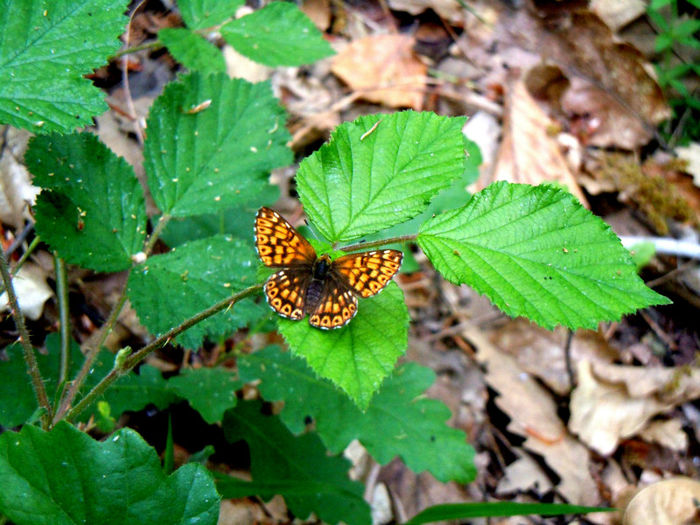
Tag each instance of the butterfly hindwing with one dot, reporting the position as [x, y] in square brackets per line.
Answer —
[278, 243]
[337, 306]
[285, 292]
[367, 273]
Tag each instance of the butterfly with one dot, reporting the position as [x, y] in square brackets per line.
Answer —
[325, 289]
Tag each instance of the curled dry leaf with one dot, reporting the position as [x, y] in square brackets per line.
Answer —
[668, 502]
[529, 153]
[533, 414]
[16, 190]
[31, 291]
[616, 402]
[447, 9]
[521, 475]
[667, 433]
[384, 69]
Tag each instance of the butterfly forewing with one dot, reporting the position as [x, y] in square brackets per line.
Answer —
[285, 292]
[367, 273]
[278, 243]
[337, 306]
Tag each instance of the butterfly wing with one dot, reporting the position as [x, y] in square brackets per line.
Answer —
[285, 292]
[367, 273]
[337, 306]
[277, 242]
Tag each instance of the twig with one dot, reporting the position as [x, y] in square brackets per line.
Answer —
[131, 361]
[29, 357]
[19, 239]
[63, 311]
[567, 358]
[375, 244]
[665, 245]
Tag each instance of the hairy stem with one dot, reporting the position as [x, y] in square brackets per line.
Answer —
[22, 260]
[64, 317]
[131, 361]
[377, 244]
[29, 357]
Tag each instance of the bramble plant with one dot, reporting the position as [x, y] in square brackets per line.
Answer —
[211, 143]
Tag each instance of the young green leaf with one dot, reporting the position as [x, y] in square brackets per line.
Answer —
[398, 422]
[64, 477]
[202, 14]
[378, 171]
[191, 278]
[276, 456]
[212, 142]
[279, 34]
[360, 355]
[92, 208]
[192, 51]
[210, 391]
[536, 252]
[46, 50]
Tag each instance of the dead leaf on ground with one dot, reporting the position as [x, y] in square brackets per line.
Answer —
[522, 475]
[533, 414]
[619, 13]
[369, 63]
[668, 433]
[529, 152]
[31, 291]
[612, 402]
[668, 502]
[691, 154]
[447, 9]
[17, 192]
[319, 11]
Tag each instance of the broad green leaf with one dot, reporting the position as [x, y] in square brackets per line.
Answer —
[129, 393]
[202, 14]
[65, 477]
[460, 511]
[91, 209]
[170, 288]
[360, 355]
[212, 142]
[192, 51]
[279, 34]
[210, 391]
[536, 252]
[46, 49]
[319, 483]
[370, 178]
[399, 421]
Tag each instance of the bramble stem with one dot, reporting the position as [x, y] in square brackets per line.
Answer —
[131, 361]
[64, 318]
[376, 244]
[29, 357]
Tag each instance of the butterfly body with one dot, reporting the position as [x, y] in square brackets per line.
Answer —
[307, 284]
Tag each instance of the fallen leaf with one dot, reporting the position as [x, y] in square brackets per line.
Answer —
[521, 475]
[668, 502]
[618, 14]
[319, 11]
[667, 433]
[17, 194]
[691, 154]
[529, 152]
[384, 69]
[447, 9]
[31, 291]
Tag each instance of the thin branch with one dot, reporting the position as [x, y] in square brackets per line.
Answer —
[29, 357]
[131, 361]
[63, 311]
[377, 244]
[665, 245]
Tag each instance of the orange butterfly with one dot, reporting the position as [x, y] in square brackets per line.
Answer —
[308, 284]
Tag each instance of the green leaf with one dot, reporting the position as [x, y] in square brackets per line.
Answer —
[65, 477]
[360, 355]
[399, 421]
[319, 482]
[191, 278]
[354, 186]
[46, 49]
[210, 391]
[460, 511]
[536, 252]
[192, 51]
[92, 208]
[279, 34]
[663, 42]
[641, 253]
[202, 14]
[201, 159]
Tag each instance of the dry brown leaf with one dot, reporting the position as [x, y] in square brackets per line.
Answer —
[31, 291]
[691, 154]
[668, 502]
[667, 433]
[533, 414]
[521, 475]
[448, 9]
[619, 13]
[319, 11]
[529, 153]
[369, 64]
[16, 190]
[602, 413]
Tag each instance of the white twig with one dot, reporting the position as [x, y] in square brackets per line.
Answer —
[665, 245]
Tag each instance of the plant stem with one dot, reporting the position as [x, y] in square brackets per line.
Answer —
[22, 260]
[63, 311]
[151, 241]
[148, 45]
[376, 244]
[29, 357]
[160, 341]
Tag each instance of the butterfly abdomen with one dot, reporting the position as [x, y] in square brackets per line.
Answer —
[313, 294]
